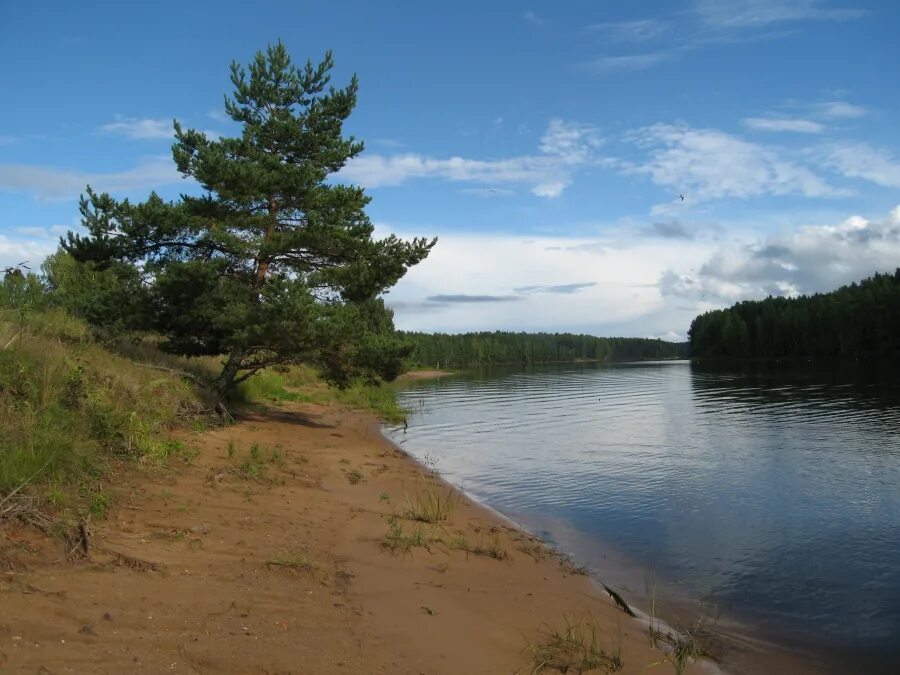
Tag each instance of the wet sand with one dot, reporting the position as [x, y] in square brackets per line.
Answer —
[214, 567]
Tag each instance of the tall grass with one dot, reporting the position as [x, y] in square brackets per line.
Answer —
[67, 405]
[302, 384]
[575, 648]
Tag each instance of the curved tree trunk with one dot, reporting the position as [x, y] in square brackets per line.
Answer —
[225, 382]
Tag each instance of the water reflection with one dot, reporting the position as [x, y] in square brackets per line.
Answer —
[774, 490]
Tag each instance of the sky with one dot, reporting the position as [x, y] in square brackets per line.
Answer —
[602, 167]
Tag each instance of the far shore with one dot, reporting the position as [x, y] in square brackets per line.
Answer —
[301, 556]
[425, 374]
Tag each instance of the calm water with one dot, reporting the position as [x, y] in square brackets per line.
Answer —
[778, 494]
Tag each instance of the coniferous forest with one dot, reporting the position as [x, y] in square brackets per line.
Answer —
[858, 320]
[436, 350]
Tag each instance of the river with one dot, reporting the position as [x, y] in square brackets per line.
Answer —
[765, 498]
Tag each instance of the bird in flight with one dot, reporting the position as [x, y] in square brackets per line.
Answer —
[681, 197]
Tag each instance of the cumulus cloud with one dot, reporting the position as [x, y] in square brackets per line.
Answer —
[53, 184]
[799, 126]
[141, 129]
[708, 164]
[564, 148]
[810, 259]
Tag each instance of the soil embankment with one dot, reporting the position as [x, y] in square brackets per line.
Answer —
[282, 548]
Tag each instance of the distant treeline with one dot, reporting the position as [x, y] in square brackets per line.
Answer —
[436, 350]
[857, 320]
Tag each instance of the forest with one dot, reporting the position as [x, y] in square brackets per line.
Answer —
[438, 350]
[858, 320]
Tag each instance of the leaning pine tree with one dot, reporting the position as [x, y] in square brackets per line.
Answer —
[272, 264]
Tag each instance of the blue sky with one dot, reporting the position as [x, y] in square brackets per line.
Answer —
[546, 144]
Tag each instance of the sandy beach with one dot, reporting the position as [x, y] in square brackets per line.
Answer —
[279, 560]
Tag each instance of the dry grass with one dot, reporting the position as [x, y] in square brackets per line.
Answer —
[575, 648]
[68, 407]
[489, 547]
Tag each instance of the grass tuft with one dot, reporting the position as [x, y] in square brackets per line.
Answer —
[432, 505]
[575, 648]
[399, 541]
[489, 547]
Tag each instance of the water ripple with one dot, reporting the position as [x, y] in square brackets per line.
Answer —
[778, 493]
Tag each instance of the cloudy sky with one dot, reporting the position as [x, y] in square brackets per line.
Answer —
[548, 145]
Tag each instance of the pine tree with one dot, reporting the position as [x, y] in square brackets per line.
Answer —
[272, 264]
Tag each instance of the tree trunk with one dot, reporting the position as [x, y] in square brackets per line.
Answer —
[225, 381]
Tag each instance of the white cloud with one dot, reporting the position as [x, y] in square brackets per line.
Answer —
[51, 184]
[639, 30]
[33, 250]
[141, 129]
[809, 259]
[570, 141]
[757, 13]
[564, 148]
[861, 160]
[7, 140]
[840, 110]
[708, 164]
[583, 285]
[533, 18]
[631, 62]
[800, 126]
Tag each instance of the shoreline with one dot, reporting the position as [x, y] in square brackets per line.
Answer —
[226, 566]
[746, 651]
[283, 565]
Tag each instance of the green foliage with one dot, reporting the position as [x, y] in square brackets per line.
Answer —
[857, 320]
[112, 299]
[265, 387]
[436, 350]
[67, 406]
[274, 264]
[22, 292]
[379, 398]
[300, 384]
